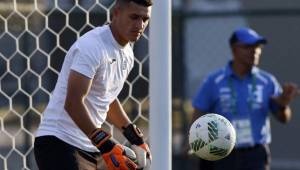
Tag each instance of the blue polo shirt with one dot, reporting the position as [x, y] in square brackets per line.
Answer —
[244, 102]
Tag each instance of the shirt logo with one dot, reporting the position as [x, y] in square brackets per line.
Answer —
[258, 93]
[112, 61]
[255, 98]
[124, 65]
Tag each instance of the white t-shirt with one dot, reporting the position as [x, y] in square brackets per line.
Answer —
[96, 55]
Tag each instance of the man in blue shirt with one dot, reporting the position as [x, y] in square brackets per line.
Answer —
[245, 95]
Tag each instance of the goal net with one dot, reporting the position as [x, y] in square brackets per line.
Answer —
[34, 38]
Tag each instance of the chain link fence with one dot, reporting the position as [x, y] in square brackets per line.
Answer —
[34, 38]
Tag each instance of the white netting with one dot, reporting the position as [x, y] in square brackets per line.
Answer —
[34, 38]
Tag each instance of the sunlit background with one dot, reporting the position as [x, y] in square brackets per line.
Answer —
[36, 34]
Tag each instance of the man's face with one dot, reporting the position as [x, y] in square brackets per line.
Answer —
[132, 21]
[248, 55]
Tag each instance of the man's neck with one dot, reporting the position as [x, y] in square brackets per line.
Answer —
[240, 70]
[116, 35]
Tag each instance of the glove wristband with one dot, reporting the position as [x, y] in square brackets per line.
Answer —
[101, 140]
[133, 134]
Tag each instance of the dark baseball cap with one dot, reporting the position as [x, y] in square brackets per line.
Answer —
[247, 36]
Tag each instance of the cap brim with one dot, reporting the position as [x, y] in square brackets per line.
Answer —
[254, 41]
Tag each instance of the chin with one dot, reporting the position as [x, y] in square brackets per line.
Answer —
[133, 39]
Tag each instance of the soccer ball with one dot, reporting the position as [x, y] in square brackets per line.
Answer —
[212, 137]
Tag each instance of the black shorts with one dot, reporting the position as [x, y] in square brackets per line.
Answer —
[252, 158]
[52, 153]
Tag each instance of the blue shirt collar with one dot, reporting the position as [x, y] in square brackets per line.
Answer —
[229, 71]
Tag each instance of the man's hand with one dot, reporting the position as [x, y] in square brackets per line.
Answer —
[141, 149]
[143, 155]
[289, 92]
[114, 155]
[117, 159]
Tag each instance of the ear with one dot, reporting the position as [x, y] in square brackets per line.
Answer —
[233, 48]
[116, 11]
[233, 51]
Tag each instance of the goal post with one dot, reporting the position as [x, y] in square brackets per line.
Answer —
[160, 85]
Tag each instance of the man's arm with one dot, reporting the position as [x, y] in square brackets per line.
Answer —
[117, 116]
[284, 113]
[78, 88]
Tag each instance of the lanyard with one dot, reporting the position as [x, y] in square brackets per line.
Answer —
[233, 92]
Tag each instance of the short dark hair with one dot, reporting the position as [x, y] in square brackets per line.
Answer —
[145, 3]
[233, 39]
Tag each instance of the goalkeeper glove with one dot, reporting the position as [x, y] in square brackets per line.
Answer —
[114, 155]
[141, 149]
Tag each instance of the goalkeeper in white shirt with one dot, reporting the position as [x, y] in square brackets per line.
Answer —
[70, 136]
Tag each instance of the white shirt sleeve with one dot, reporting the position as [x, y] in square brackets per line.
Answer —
[85, 62]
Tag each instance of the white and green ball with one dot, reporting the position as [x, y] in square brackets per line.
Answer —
[212, 137]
